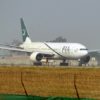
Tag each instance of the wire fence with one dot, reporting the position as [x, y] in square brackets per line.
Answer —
[54, 82]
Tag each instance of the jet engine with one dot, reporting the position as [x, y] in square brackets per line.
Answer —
[36, 57]
[84, 60]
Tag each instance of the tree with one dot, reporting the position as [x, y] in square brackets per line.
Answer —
[16, 42]
[59, 39]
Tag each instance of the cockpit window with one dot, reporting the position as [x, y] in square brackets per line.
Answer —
[83, 49]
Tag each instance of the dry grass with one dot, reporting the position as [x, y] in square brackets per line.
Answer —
[50, 81]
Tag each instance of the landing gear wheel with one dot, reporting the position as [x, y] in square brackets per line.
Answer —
[37, 63]
[63, 64]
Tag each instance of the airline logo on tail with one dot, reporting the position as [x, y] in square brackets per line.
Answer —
[24, 31]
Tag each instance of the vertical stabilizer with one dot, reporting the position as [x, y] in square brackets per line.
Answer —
[24, 30]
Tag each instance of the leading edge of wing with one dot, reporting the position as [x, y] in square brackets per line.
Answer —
[13, 49]
[93, 51]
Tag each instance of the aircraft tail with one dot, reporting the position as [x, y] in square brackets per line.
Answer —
[24, 30]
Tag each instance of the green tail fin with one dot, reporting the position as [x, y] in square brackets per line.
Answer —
[24, 31]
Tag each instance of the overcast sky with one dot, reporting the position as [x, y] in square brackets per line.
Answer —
[75, 20]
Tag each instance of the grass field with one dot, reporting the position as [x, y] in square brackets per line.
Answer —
[67, 82]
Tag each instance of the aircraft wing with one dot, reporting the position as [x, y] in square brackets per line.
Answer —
[93, 51]
[45, 54]
[14, 49]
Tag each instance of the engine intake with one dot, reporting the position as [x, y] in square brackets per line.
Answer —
[36, 56]
[85, 59]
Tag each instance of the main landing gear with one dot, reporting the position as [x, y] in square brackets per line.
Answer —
[64, 63]
[37, 63]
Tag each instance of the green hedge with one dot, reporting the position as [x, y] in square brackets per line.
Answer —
[23, 97]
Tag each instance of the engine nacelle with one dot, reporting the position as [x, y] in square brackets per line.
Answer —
[85, 59]
[36, 57]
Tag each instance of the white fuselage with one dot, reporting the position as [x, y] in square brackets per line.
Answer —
[60, 50]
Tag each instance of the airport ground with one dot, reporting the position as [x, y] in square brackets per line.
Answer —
[50, 81]
[25, 60]
[19, 76]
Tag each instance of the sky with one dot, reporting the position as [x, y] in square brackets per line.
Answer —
[76, 20]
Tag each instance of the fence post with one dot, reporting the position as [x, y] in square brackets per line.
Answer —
[75, 86]
[23, 84]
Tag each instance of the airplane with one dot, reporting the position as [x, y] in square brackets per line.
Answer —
[51, 50]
